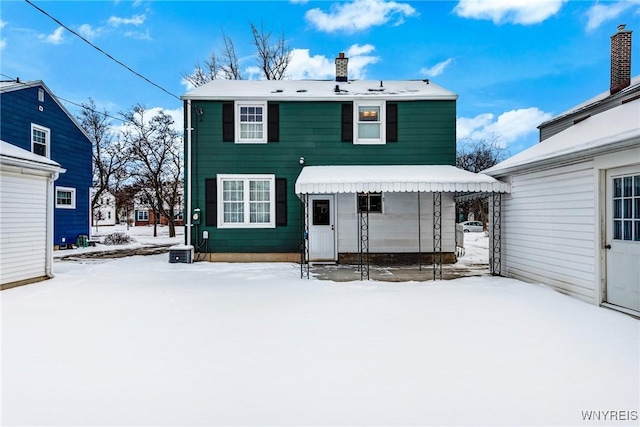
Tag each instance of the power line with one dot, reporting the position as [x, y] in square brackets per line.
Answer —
[102, 51]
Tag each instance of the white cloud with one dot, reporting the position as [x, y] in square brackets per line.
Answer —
[3, 43]
[116, 21]
[525, 12]
[87, 31]
[359, 15]
[601, 12]
[437, 69]
[138, 35]
[149, 113]
[508, 126]
[2, 23]
[53, 38]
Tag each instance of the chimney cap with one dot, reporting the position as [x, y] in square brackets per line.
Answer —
[341, 54]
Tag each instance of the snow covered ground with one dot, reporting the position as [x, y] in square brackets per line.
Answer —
[138, 341]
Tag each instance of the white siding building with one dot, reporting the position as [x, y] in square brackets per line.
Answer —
[26, 215]
[572, 219]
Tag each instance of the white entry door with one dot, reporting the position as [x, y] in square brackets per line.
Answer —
[623, 237]
[322, 240]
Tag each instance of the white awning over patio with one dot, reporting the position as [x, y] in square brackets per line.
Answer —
[396, 178]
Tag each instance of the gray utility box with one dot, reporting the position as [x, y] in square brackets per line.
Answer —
[181, 254]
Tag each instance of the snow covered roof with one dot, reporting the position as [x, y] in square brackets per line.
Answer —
[613, 129]
[635, 85]
[396, 178]
[16, 156]
[319, 90]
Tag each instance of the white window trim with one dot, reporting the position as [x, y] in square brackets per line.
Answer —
[237, 107]
[246, 178]
[47, 132]
[383, 134]
[140, 211]
[73, 198]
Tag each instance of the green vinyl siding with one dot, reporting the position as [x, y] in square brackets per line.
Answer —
[426, 135]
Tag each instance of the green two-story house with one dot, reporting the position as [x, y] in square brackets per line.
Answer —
[273, 164]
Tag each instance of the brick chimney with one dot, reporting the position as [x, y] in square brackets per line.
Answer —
[620, 59]
[342, 74]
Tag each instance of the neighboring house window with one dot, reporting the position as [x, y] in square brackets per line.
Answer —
[177, 215]
[142, 215]
[65, 198]
[246, 201]
[40, 137]
[369, 202]
[251, 122]
[369, 122]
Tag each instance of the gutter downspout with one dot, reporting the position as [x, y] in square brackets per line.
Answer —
[50, 224]
[188, 177]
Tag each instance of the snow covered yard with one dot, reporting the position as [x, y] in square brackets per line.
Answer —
[139, 341]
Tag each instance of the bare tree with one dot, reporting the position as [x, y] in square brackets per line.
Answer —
[224, 65]
[476, 155]
[273, 59]
[108, 153]
[155, 149]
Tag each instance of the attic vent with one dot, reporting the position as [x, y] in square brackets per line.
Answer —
[426, 81]
[277, 91]
[377, 90]
[301, 90]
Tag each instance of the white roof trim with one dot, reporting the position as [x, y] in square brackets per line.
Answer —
[617, 128]
[394, 179]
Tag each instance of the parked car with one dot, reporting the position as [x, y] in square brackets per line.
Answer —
[471, 226]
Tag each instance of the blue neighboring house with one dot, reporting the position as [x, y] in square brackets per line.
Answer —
[32, 118]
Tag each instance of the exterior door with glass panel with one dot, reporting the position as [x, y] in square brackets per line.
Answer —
[322, 228]
[623, 237]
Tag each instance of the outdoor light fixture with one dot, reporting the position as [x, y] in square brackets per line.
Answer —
[301, 160]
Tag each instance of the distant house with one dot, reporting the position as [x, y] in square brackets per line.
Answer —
[33, 119]
[324, 171]
[26, 215]
[144, 214]
[572, 220]
[105, 211]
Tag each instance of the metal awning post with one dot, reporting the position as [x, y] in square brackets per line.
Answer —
[496, 235]
[437, 235]
[363, 256]
[304, 245]
[419, 235]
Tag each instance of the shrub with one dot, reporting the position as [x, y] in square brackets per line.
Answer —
[117, 239]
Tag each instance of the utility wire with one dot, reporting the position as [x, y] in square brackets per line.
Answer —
[102, 51]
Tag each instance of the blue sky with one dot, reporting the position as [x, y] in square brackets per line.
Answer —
[513, 63]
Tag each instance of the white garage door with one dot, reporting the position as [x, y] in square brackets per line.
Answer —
[23, 227]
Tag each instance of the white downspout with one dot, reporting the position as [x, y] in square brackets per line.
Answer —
[188, 177]
[48, 266]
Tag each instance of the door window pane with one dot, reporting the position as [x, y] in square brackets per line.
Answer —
[617, 187]
[628, 186]
[321, 212]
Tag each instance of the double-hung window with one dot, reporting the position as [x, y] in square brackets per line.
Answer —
[142, 216]
[251, 122]
[65, 198]
[369, 120]
[246, 201]
[40, 138]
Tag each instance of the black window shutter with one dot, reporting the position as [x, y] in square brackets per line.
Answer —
[210, 199]
[273, 123]
[392, 122]
[281, 201]
[227, 122]
[347, 122]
